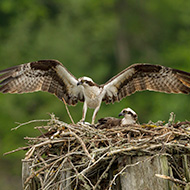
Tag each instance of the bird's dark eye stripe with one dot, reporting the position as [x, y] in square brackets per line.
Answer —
[134, 115]
[130, 113]
[90, 83]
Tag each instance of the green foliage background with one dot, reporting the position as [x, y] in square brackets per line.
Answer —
[97, 38]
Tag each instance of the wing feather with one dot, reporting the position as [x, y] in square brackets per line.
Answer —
[139, 77]
[44, 75]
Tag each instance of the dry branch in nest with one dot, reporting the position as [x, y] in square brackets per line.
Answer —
[88, 153]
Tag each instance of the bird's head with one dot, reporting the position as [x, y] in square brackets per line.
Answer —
[85, 81]
[128, 113]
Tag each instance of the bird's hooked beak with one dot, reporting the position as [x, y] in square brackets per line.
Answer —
[79, 83]
[121, 114]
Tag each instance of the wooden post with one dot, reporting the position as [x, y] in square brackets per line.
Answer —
[142, 175]
[186, 166]
[62, 181]
[139, 174]
[64, 176]
[26, 172]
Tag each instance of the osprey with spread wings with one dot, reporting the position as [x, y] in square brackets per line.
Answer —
[51, 76]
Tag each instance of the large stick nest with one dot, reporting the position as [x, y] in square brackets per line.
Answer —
[87, 153]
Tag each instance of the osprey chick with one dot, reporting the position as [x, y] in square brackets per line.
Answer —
[130, 117]
[51, 76]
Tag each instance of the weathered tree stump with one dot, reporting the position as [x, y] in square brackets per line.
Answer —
[140, 173]
[26, 173]
[62, 181]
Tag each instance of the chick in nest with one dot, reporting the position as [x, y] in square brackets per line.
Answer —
[130, 117]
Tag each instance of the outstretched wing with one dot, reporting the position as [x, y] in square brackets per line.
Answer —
[44, 75]
[139, 77]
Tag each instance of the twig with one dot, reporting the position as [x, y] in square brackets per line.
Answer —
[55, 158]
[18, 149]
[127, 149]
[171, 179]
[88, 180]
[29, 122]
[155, 146]
[69, 126]
[37, 172]
[76, 171]
[91, 166]
[36, 138]
[30, 152]
[160, 137]
[124, 168]
[103, 174]
[83, 145]
[55, 175]
[68, 111]
[42, 127]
